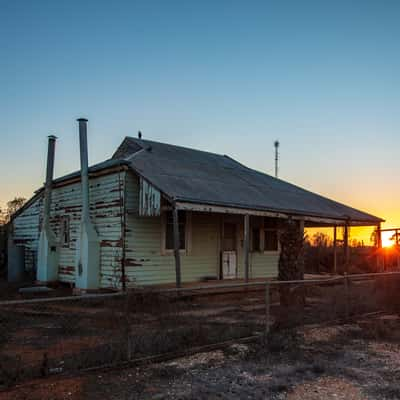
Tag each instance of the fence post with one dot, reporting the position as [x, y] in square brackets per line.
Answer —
[346, 295]
[267, 311]
[127, 328]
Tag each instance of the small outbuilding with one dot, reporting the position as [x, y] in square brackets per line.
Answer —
[156, 213]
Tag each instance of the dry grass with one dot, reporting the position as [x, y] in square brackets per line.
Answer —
[41, 339]
[324, 362]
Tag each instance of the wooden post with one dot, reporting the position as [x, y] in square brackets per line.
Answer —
[334, 249]
[346, 296]
[397, 248]
[267, 311]
[176, 247]
[301, 229]
[346, 248]
[128, 328]
[246, 246]
[379, 246]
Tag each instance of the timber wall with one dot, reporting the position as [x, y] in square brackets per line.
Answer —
[147, 263]
[106, 207]
[25, 232]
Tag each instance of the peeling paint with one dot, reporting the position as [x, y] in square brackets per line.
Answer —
[131, 262]
[111, 243]
[106, 202]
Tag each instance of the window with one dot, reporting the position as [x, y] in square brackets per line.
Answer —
[255, 240]
[271, 234]
[65, 235]
[169, 230]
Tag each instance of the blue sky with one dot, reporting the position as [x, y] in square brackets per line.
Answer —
[225, 76]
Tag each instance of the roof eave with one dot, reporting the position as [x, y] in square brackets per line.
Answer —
[277, 213]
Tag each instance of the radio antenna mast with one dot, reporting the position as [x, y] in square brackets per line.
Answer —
[276, 145]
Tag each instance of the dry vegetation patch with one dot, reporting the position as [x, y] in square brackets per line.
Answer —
[326, 388]
[328, 362]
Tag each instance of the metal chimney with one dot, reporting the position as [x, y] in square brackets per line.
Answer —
[49, 177]
[84, 168]
[88, 249]
[47, 268]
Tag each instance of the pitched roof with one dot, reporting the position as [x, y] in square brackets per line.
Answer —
[195, 176]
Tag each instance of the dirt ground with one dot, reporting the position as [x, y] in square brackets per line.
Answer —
[72, 335]
[10, 291]
[354, 361]
[37, 338]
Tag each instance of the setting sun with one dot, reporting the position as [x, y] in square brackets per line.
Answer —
[387, 239]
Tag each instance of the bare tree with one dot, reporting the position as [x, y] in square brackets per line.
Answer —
[320, 239]
[374, 237]
[2, 217]
[13, 206]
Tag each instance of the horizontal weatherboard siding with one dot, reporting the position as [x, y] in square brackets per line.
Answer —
[106, 208]
[147, 264]
[25, 232]
[114, 207]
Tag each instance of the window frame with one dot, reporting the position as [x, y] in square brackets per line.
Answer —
[188, 234]
[263, 231]
[260, 246]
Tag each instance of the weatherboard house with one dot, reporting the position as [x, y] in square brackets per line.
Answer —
[156, 213]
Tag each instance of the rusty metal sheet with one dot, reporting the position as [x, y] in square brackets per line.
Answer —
[149, 200]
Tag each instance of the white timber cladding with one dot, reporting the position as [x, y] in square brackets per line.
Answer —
[25, 232]
[147, 262]
[262, 264]
[149, 200]
[106, 211]
[188, 235]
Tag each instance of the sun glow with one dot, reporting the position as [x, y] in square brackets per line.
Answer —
[387, 239]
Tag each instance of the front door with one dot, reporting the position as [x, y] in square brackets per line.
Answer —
[229, 259]
[229, 264]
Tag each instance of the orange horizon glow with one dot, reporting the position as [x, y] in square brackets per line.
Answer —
[358, 235]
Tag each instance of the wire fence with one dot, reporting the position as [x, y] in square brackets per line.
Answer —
[40, 337]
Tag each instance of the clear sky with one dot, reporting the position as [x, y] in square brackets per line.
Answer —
[323, 77]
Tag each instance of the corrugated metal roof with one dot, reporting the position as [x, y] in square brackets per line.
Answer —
[200, 177]
[110, 163]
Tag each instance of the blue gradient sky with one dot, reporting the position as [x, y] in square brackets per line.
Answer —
[225, 76]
